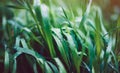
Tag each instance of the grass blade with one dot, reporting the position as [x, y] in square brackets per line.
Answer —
[6, 62]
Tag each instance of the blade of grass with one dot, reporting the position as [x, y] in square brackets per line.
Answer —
[43, 13]
[6, 62]
[53, 67]
[29, 32]
[59, 40]
[47, 68]
[35, 18]
[98, 40]
[60, 66]
[52, 14]
[73, 50]
[14, 68]
[85, 15]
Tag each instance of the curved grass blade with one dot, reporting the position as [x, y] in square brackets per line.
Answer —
[53, 67]
[43, 17]
[60, 66]
[47, 68]
[73, 51]
[85, 15]
[29, 32]
[60, 43]
[15, 62]
[6, 62]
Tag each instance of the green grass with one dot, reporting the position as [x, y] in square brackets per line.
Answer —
[54, 37]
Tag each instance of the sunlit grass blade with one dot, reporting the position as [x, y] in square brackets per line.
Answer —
[47, 68]
[60, 66]
[52, 14]
[85, 15]
[53, 67]
[46, 27]
[73, 50]
[98, 40]
[61, 46]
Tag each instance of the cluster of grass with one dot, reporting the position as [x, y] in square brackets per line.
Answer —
[51, 36]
